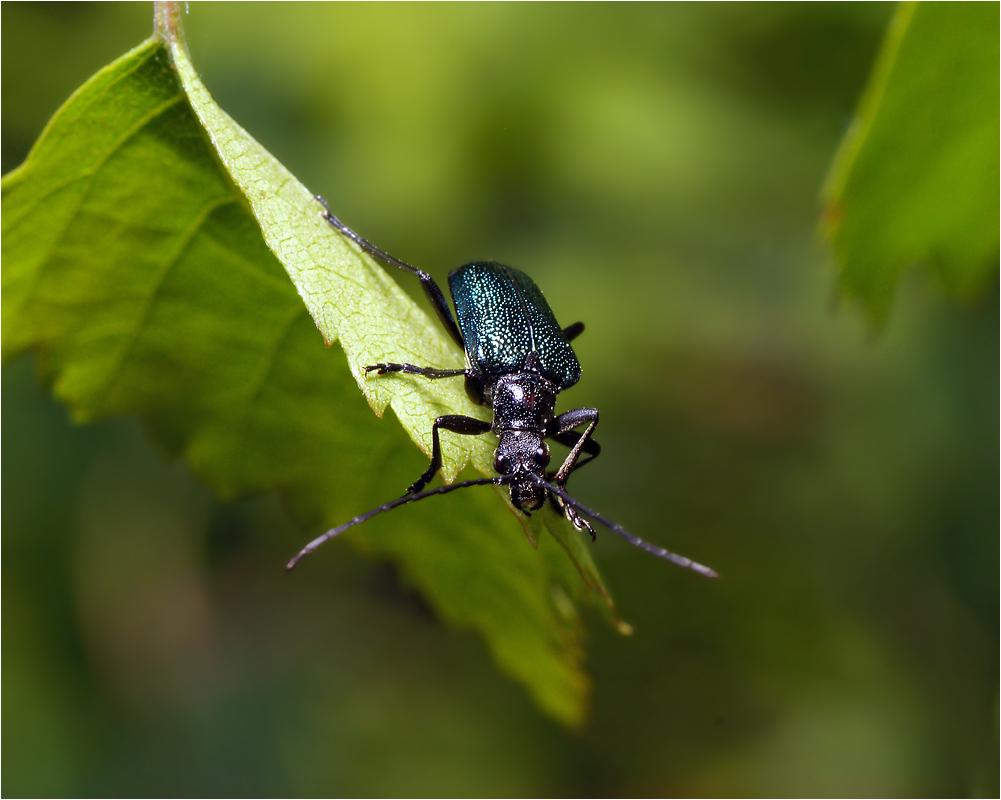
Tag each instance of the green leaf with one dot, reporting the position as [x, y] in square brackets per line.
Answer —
[134, 264]
[916, 178]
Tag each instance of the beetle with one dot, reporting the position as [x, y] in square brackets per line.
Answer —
[518, 360]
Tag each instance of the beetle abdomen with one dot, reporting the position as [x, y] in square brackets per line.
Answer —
[503, 317]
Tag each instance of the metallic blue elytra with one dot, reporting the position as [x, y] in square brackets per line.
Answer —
[504, 317]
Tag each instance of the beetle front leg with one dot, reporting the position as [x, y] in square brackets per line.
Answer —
[456, 423]
[561, 430]
[570, 438]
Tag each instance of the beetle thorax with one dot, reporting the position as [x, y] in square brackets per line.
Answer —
[523, 401]
[524, 404]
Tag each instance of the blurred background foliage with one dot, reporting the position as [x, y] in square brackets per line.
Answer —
[656, 168]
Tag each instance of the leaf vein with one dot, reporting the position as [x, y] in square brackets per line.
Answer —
[89, 175]
[169, 263]
[257, 385]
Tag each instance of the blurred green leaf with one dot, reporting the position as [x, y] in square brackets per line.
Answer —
[916, 178]
[134, 265]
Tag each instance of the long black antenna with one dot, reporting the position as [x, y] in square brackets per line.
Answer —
[660, 552]
[407, 498]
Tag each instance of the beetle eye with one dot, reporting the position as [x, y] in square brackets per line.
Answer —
[502, 464]
[542, 454]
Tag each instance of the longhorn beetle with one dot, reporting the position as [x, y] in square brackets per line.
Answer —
[518, 360]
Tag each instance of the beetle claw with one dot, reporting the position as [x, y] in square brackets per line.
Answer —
[577, 520]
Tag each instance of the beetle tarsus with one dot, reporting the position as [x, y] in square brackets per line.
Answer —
[579, 522]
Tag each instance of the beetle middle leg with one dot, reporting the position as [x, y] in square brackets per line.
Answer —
[456, 423]
[411, 369]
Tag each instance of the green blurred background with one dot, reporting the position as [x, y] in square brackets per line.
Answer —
[656, 168]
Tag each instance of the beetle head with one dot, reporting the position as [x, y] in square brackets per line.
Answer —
[527, 496]
[523, 453]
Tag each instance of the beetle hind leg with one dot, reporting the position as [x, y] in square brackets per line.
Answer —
[573, 331]
[431, 289]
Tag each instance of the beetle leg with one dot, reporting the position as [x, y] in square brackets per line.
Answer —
[456, 423]
[578, 521]
[563, 425]
[571, 514]
[573, 331]
[561, 430]
[569, 438]
[410, 369]
[431, 289]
